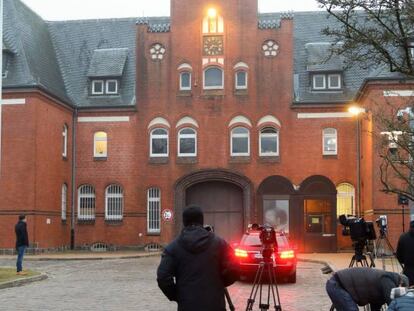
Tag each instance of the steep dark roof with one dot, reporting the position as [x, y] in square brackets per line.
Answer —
[108, 62]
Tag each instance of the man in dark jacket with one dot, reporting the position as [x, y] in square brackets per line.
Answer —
[353, 287]
[405, 252]
[403, 299]
[196, 267]
[22, 242]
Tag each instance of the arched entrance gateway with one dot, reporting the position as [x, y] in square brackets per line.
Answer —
[224, 196]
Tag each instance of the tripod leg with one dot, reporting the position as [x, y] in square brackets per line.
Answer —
[256, 284]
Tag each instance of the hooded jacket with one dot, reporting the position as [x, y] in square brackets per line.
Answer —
[22, 238]
[405, 254]
[403, 303]
[194, 270]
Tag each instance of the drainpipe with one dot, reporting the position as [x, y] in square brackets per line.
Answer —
[72, 208]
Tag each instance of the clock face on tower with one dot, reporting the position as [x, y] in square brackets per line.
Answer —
[213, 45]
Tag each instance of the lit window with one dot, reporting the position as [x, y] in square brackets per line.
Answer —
[319, 82]
[112, 87]
[334, 81]
[100, 148]
[154, 210]
[185, 81]
[64, 201]
[114, 202]
[241, 80]
[159, 143]
[330, 141]
[213, 78]
[98, 87]
[86, 203]
[213, 23]
[65, 141]
[269, 142]
[187, 143]
[240, 141]
[345, 200]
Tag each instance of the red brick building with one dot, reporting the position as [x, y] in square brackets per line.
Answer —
[110, 127]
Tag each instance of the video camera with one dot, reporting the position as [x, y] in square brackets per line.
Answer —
[359, 229]
[267, 238]
[382, 223]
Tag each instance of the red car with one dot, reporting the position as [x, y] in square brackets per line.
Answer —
[249, 255]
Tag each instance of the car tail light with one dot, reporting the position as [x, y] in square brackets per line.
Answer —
[240, 253]
[287, 254]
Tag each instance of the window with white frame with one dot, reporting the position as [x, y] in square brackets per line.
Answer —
[100, 145]
[154, 210]
[111, 87]
[330, 141]
[159, 143]
[334, 81]
[240, 142]
[411, 47]
[187, 142]
[319, 82]
[65, 141]
[241, 80]
[345, 201]
[86, 203]
[64, 201]
[185, 81]
[213, 78]
[269, 142]
[98, 87]
[328, 82]
[114, 202]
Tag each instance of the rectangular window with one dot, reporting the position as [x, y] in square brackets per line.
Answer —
[65, 141]
[240, 146]
[412, 49]
[185, 81]
[318, 217]
[97, 87]
[112, 87]
[154, 210]
[241, 80]
[100, 145]
[330, 142]
[334, 81]
[319, 82]
[64, 201]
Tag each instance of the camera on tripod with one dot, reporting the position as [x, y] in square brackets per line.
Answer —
[382, 223]
[267, 238]
[359, 229]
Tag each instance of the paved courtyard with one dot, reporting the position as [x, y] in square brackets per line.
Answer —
[129, 284]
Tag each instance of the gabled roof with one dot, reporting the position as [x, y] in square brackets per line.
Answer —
[108, 62]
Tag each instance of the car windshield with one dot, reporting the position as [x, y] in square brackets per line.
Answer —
[254, 240]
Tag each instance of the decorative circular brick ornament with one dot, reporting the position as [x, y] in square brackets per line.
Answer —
[167, 215]
[270, 48]
[157, 51]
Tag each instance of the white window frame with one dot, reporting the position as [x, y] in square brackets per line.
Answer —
[185, 88]
[152, 136]
[350, 194]
[65, 141]
[95, 140]
[242, 87]
[215, 87]
[180, 136]
[269, 154]
[107, 87]
[240, 136]
[90, 202]
[119, 204]
[64, 201]
[94, 92]
[339, 81]
[328, 135]
[314, 82]
[154, 217]
[411, 49]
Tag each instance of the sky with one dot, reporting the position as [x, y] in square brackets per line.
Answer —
[86, 9]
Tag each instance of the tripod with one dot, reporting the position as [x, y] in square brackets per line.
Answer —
[384, 250]
[265, 267]
[360, 257]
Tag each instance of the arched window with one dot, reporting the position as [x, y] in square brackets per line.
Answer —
[100, 145]
[330, 141]
[213, 78]
[345, 202]
[64, 201]
[154, 210]
[114, 202]
[269, 142]
[86, 203]
[187, 142]
[241, 80]
[213, 22]
[185, 81]
[65, 141]
[240, 142]
[159, 143]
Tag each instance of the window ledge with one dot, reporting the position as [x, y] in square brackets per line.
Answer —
[330, 156]
[117, 222]
[212, 93]
[184, 93]
[160, 160]
[241, 159]
[241, 92]
[100, 159]
[187, 160]
[153, 233]
[269, 159]
[86, 222]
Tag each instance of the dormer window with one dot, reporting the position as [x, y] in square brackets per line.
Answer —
[97, 87]
[111, 87]
[104, 87]
[323, 82]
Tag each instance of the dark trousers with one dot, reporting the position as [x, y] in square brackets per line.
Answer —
[20, 254]
[340, 297]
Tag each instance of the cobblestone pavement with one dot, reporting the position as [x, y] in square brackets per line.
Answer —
[129, 284]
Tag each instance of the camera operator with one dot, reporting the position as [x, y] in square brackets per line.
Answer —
[197, 266]
[405, 252]
[353, 287]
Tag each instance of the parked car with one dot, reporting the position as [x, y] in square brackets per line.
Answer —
[248, 254]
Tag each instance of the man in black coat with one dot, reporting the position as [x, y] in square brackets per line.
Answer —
[405, 252]
[22, 242]
[196, 267]
[353, 287]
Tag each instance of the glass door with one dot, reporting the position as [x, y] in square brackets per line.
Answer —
[276, 214]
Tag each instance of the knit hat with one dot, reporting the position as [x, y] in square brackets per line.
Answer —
[193, 215]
